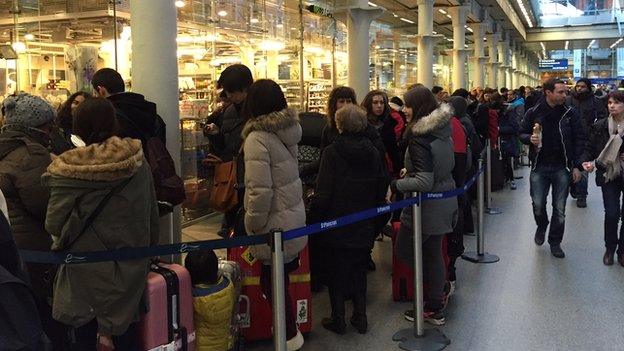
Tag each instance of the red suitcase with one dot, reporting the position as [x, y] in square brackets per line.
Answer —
[403, 274]
[255, 310]
[168, 326]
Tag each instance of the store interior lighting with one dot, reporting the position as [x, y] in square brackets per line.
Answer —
[449, 16]
[591, 43]
[254, 20]
[406, 20]
[615, 44]
[469, 29]
[222, 13]
[272, 45]
[567, 44]
[19, 47]
[180, 3]
[442, 11]
[29, 37]
[372, 4]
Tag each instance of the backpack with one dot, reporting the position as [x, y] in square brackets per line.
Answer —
[168, 185]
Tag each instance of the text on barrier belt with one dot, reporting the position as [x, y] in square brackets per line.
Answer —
[125, 254]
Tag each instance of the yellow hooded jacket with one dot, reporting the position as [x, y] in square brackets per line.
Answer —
[213, 306]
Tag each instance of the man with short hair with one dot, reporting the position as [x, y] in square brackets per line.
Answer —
[591, 109]
[137, 117]
[439, 93]
[556, 153]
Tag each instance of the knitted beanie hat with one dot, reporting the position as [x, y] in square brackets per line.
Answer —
[27, 110]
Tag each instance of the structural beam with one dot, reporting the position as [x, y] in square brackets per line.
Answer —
[603, 31]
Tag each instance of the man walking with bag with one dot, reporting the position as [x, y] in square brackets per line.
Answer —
[558, 146]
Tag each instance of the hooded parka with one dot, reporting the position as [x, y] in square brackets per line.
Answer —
[273, 190]
[429, 162]
[79, 180]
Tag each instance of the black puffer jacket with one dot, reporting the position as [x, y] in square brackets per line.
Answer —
[588, 106]
[351, 178]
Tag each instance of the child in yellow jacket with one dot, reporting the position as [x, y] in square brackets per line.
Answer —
[213, 302]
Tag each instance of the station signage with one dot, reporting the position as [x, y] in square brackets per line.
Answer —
[553, 65]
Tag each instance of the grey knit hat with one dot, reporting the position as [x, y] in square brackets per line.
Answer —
[27, 110]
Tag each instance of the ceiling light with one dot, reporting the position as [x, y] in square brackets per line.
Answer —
[406, 20]
[254, 20]
[372, 4]
[19, 47]
[29, 37]
[395, 15]
[591, 43]
[272, 45]
[567, 43]
[434, 32]
[180, 3]
[449, 16]
[469, 29]
[543, 46]
[442, 11]
[525, 13]
[279, 25]
[617, 42]
[222, 13]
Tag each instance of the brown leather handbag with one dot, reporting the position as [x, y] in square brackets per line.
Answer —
[224, 195]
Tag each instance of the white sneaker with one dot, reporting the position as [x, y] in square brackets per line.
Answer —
[295, 343]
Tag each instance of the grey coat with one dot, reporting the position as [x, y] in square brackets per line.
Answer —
[273, 190]
[429, 163]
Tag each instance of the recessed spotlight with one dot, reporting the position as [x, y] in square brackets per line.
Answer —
[180, 3]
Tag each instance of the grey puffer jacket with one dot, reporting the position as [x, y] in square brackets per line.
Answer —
[273, 191]
[429, 163]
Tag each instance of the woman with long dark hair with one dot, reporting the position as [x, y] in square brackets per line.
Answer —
[378, 114]
[429, 163]
[60, 139]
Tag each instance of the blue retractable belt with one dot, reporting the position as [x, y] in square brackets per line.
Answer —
[125, 254]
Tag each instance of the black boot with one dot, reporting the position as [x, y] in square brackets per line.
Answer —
[359, 320]
[335, 324]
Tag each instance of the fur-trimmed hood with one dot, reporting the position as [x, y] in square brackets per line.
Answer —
[112, 160]
[284, 124]
[436, 123]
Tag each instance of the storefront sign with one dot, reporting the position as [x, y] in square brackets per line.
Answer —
[553, 65]
[620, 62]
[578, 62]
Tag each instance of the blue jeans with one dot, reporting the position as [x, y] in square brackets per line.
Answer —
[611, 194]
[579, 190]
[542, 178]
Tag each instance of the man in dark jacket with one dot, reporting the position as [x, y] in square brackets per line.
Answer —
[556, 154]
[591, 109]
[224, 132]
[137, 117]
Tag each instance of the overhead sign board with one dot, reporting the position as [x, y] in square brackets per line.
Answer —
[578, 62]
[553, 65]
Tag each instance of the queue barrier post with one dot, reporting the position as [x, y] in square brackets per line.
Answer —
[277, 290]
[480, 256]
[419, 338]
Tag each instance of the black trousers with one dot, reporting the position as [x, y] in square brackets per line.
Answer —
[86, 338]
[347, 280]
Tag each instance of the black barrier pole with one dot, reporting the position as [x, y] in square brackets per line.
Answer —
[419, 338]
[488, 190]
[277, 281]
[480, 256]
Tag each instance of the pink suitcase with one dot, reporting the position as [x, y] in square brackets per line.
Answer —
[168, 326]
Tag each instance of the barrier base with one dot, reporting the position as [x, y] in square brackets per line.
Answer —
[493, 211]
[474, 257]
[432, 340]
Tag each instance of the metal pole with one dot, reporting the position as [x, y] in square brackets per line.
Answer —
[16, 12]
[418, 338]
[488, 174]
[277, 291]
[419, 321]
[480, 210]
[480, 256]
[115, 31]
[301, 62]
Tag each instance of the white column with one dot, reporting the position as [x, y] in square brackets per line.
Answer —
[492, 40]
[458, 17]
[479, 59]
[426, 41]
[155, 74]
[358, 25]
[503, 57]
[515, 67]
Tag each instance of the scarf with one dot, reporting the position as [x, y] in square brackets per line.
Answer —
[610, 155]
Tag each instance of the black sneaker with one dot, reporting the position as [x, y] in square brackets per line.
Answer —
[360, 323]
[581, 202]
[556, 251]
[431, 317]
[336, 325]
[540, 234]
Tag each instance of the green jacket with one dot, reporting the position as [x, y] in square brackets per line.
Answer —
[79, 179]
[23, 159]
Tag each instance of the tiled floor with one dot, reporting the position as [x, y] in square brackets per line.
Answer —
[527, 301]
